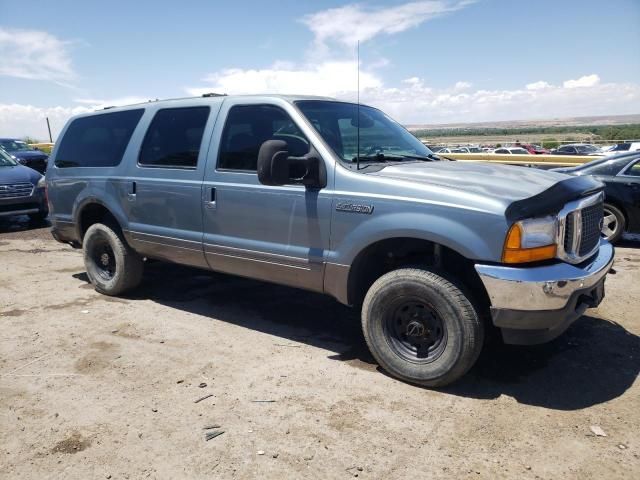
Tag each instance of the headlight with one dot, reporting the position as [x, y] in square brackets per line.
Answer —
[41, 183]
[531, 240]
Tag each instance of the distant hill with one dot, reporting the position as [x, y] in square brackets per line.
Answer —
[601, 120]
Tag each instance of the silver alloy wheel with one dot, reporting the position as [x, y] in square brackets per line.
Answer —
[610, 224]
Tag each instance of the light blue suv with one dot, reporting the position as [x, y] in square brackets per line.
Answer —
[336, 198]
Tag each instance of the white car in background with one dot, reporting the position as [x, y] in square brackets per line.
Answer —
[622, 147]
[510, 151]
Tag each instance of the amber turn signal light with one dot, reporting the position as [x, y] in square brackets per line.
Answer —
[514, 253]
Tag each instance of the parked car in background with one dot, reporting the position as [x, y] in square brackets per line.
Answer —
[510, 151]
[622, 147]
[25, 154]
[533, 149]
[22, 190]
[577, 149]
[621, 176]
[459, 150]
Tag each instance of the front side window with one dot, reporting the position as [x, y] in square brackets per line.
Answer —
[97, 140]
[174, 138]
[345, 126]
[633, 170]
[248, 127]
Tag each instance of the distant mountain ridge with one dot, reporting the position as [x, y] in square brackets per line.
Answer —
[599, 120]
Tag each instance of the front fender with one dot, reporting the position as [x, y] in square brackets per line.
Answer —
[477, 236]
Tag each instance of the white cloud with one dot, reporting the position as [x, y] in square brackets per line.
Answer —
[35, 55]
[411, 101]
[462, 86]
[538, 85]
[21, 120]
[327, 78]
[586, 81]
[97, 104]
[347, 24]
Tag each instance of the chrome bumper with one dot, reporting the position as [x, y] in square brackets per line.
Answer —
[543, 288]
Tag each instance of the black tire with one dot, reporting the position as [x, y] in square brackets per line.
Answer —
[614, 223]
[452, 332]
[112, 266]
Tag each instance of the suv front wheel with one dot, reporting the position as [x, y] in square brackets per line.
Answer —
[421, 327]
[112, 266]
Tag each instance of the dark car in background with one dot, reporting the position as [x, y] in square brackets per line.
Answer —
[23, 153]
[22, 190]
[621, 176]
[577, 149]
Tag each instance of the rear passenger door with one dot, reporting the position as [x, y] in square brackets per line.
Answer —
[164, 197]
[273, 233]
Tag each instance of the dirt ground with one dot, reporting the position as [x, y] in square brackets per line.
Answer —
[99, 387]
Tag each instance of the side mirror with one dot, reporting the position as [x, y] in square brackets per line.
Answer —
[276, 167]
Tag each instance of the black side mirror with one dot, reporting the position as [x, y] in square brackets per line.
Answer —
[276, 167]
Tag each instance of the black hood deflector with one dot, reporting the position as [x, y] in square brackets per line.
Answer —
[551, 200]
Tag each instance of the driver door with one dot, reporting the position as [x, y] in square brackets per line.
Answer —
[273, 233]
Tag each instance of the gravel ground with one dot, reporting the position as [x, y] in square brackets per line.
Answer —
[100, 387]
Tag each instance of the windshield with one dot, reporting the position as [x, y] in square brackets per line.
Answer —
[381, 138]
[606, 166]
[6, 160]
[586, 148]
[14, 145]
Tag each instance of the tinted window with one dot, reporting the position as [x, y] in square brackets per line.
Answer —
[98, 140]
[248, 127]
[621, 147]
[502, 150]
[633, 170]
[174, 137]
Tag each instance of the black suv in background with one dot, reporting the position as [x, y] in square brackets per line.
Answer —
[24, 154]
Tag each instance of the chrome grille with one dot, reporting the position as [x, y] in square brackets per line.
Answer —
[15, 190]
[580, 227]
[591, 228]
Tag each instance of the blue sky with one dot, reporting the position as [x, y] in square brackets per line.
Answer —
[422, 61]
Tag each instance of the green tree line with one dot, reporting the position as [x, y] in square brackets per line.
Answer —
[606, 132]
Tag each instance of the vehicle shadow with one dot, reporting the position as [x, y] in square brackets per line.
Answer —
[629, 240]
[593, 362]
[21, 223]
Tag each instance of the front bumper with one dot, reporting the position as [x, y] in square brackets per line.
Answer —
[34, 203]
[536, 304]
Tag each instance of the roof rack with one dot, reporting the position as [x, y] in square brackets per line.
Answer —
[205, 95]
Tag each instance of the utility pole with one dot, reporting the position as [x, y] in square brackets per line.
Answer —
[49, 128]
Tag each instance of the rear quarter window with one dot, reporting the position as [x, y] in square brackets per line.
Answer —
[97, 140]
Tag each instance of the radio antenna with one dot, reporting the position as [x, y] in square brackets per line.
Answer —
[358, 111]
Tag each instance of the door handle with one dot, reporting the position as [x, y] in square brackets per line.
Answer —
[132, 194]
[211, 198]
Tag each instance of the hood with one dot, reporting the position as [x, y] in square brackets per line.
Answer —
[521, 191]
[492, 180]
[27, 154]
[18, 174]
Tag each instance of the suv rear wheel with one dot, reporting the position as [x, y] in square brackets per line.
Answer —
[421, 327]
[112, 266]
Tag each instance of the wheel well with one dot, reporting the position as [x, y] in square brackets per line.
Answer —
[391, 254]
[95, 213]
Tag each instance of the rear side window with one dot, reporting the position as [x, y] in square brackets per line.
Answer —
[174, 137]
[98, 140]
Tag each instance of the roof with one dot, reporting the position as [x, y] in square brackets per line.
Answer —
[173, 101]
